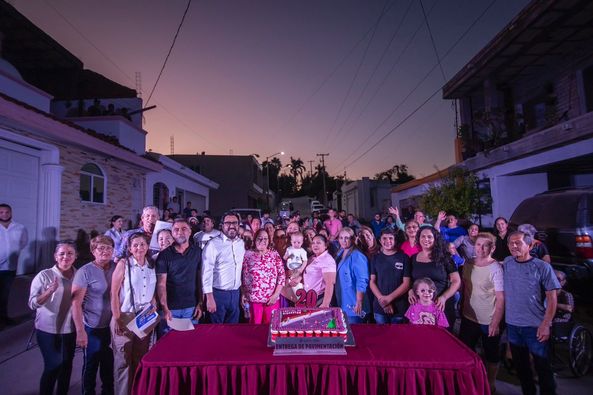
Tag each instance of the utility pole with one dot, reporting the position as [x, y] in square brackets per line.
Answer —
[323, 167]
[311, 168]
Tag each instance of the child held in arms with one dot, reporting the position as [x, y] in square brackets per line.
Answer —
[295, 258]
[425, 312]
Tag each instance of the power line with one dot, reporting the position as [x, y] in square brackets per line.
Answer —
[395, 127]
[384, 80]
[451, 48]
[384, 11]
[123, 72]
[368, 81]
[170, 50]
[434, 46]
[88, 40]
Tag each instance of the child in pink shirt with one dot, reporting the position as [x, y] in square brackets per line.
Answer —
[425, 312]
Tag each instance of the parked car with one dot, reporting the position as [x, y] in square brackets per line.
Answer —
[316, 206]
[564, 221]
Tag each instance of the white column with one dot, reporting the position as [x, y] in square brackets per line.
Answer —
[50, 199]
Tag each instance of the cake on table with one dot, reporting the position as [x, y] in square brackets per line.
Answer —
[308, 322]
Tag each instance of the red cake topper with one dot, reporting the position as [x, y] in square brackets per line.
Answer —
[306, 298]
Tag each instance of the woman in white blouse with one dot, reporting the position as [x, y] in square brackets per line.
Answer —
[116, 231]
[132, 289]
[50, 296]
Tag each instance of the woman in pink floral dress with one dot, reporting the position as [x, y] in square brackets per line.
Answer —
[263, 279]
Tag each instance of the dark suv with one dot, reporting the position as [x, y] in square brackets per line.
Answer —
[564, 221]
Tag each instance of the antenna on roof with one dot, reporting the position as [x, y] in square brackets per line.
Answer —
[172, 145]
[138, 84]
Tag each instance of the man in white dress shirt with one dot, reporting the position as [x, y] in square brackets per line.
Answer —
[222, 262]
[13, 239]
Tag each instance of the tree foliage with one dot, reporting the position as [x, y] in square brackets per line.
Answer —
[458, 193]
[398, 174]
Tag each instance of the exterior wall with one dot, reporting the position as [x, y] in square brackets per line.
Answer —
[509, 191]
[239, 177]
[563, 74]
[123, 130]
[193, 191]
[123, 183]
[356, 197]
[24, 92]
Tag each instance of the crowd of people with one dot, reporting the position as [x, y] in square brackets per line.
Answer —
[389, 272]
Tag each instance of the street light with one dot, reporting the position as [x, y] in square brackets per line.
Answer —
[268, 176]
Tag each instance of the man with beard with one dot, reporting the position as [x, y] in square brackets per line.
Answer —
[221, 272]
[150, 215]
[13, 238]
[178, 275]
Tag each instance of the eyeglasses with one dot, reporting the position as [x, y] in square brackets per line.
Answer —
[104, 248]
[229, 223]
[426, 291]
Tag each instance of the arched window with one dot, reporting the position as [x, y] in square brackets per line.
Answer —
[92, 184]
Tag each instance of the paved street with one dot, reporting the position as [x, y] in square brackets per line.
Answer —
[21, 364]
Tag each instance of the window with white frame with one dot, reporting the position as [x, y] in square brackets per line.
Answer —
[92, 184]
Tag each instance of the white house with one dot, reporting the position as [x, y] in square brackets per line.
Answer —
[526, 107]
[364, 198]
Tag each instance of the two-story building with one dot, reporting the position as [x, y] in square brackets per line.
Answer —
[239, 177]
[72, 153]
[526, 107]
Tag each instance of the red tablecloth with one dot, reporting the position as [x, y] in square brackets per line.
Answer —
[387, 359]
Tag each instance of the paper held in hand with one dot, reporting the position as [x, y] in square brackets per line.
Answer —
[144, 322]
[181, 324]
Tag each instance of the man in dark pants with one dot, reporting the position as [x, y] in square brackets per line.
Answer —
[222, 262]
[178, 269]
[528, 314]
[13, 239]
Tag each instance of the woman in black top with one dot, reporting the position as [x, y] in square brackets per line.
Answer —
[435, 262]
[502, 234]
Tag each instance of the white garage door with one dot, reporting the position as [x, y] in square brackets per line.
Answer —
[19, 180]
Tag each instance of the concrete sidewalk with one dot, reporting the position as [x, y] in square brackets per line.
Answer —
[21, 363]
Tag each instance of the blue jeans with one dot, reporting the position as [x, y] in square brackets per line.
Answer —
[227, 307]
[523, 341]
[58, 352]
[188, 312]
[97, 357]
[388, 319]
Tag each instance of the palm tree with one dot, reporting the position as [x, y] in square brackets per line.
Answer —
[297, 167]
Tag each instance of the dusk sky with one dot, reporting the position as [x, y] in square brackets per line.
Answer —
[297, 76]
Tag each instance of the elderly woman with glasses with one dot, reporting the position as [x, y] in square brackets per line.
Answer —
[263, 279]
[91, 312]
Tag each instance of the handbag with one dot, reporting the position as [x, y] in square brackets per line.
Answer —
[135, 312]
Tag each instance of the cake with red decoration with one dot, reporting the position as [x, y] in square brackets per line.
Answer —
[308, 322]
